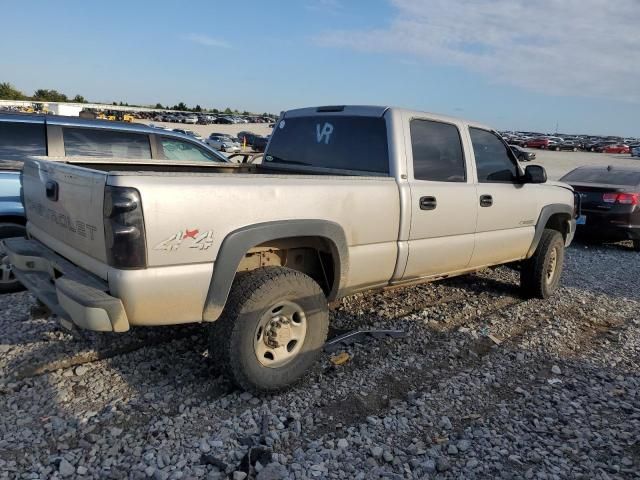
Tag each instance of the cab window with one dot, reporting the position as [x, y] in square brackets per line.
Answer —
[437, 152]
[176, 149]
[494, 162]
[88, 142]
[19, 140]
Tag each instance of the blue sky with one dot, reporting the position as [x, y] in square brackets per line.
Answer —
[493, 61]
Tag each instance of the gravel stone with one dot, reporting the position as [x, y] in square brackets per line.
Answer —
[65, 468]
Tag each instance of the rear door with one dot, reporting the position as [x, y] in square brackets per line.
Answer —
[64, 207]
[507, 209]
[443, 199]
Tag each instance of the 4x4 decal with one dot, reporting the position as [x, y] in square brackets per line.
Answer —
[190, 238]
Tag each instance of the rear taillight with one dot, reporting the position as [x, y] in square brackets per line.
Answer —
[124, 228]
[622, 198]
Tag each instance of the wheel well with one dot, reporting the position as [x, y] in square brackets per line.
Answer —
[313, 256]
[13, 219]
[558, 221]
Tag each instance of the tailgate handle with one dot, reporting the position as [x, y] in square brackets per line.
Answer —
[51, 188]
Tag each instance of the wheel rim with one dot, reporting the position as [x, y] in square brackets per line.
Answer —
[552, 266]
[280, 334]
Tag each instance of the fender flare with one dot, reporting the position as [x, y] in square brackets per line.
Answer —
[545, 214]
[237, 243]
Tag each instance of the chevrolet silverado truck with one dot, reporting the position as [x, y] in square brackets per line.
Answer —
[346, 199]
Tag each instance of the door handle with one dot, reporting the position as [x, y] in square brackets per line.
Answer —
[486, 200]
[428, 203]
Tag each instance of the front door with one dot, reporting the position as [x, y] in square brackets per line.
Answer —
[507, 208]
[443, 201]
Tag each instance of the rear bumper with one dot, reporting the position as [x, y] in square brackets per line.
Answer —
[72, 293]
[610, 226]
[611, 232]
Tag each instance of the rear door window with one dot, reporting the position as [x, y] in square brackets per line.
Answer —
[19, 140]
[340, 142]
[80, 142]
[437, 152]
[176, 149]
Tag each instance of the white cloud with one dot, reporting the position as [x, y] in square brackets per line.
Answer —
[561, 47]
[207, 41]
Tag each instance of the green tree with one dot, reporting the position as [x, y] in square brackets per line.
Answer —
[159, 106]
[79, 99]
[197, 108]
[45, 95]
[227, 110]
[9, 92]
[245, 113]
[215, 110]
[181, 106]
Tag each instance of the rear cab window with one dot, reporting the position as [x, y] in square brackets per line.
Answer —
[348, 143]
[88, 142]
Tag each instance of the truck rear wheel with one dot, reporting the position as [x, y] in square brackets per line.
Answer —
[272, 330]
[8, 281]
[540, 274]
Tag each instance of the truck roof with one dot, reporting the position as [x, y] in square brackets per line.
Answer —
[375, 111]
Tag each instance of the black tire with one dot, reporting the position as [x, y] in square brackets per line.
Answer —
[255, 296]
[535, 280]
[636, 245]
[8, 282]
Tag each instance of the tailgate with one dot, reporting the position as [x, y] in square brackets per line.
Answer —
[65, 203]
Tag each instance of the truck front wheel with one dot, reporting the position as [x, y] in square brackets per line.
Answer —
[540, 274]
[272, 330]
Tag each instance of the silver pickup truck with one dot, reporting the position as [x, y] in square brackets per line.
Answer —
[347, 199]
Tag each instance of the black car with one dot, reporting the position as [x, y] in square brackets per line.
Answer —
[610, 200]
[260, 143]
[522, 155]
[567, 146]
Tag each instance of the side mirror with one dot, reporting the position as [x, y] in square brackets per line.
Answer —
[535, 174]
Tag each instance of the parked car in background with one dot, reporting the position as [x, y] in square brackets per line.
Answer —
[565, 146]
[599, 146]
[616, 148]
[634, 150]
[23, 136]
[255, 141]
[12, 219]
[542, 143]
[522, 155]
[190, 133]
[223, 143]
[610, 198]
[191, 119]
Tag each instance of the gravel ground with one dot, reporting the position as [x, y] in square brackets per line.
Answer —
[485, 385]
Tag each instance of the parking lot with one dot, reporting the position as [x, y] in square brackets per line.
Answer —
[485, 385]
